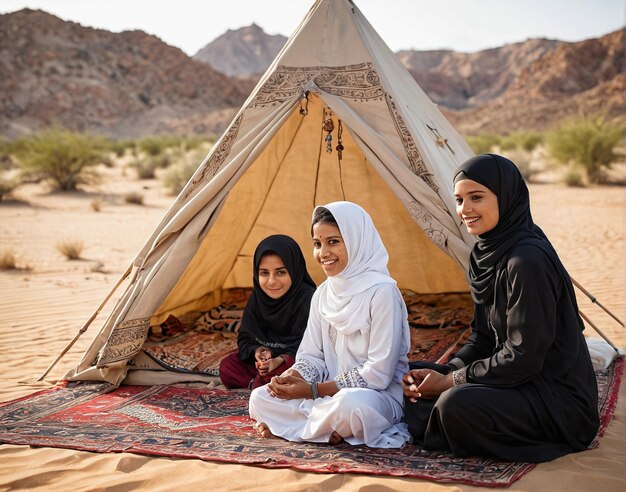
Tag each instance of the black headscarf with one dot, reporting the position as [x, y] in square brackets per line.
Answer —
[503, 178]
[277, 323]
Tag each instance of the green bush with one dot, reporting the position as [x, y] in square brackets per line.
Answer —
[158, 144]
[587, 143]
[134, 197]
[483, 143]
[526, 141]
[181, 171]
[119, 147]
[62, 156]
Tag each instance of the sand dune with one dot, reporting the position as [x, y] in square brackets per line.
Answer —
[42, 308]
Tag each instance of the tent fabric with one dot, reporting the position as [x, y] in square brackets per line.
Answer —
[270, 168]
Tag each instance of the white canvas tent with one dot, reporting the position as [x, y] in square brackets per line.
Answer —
[271, 167]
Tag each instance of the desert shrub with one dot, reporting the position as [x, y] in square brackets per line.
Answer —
[527, 141]
[158, 144]
[8, 260]
[574, 176]
[586, 143]
[522, 159]
[71, 248]
[177, 175]
[146, 167]
[96, 205]
[483, 143]
[62, 156]
[119, 147]
[6, 187]
[134, 198]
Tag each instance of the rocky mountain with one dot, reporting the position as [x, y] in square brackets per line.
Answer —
[119, 84]
[587, 77]
[462, 80]
[243, 53]
[132, 84]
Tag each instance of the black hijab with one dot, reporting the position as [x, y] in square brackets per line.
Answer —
[515, 223]
[277, 323]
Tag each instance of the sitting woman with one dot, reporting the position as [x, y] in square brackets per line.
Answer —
[274, 318]
[347, 379]
[523, 387]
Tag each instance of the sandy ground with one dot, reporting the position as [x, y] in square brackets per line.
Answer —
[41, 308]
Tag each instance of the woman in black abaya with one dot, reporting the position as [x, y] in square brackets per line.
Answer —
[275, 316]
[523, 387]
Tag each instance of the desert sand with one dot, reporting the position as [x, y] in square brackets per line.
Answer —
[45, 302]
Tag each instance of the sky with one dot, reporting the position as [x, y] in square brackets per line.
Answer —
[461, 25]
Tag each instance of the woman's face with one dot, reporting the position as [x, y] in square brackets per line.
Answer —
[274, 277]
[476, 206]
[329, 248]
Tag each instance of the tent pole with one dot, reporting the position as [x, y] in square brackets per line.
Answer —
[582, 315]
[86, 325]
[595, 301]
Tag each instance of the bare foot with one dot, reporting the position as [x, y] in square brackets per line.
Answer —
[264, 430]
[335, 439]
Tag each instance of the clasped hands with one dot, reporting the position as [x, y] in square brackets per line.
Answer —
[264, 361]
[425, 383]
[290, 385]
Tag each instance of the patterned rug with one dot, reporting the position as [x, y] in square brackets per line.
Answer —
[438, 323]
[213, 425]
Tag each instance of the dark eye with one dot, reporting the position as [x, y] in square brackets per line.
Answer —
[475, 198]
[316, 244]
[458, 201]
[333, 241]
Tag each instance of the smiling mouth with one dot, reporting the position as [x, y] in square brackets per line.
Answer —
[470, 220]
[327, 263]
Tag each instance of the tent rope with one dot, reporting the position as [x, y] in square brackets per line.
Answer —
[595, 301]
[85, 326]
[582, 315]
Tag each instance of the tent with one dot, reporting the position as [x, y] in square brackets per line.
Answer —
[389, 150]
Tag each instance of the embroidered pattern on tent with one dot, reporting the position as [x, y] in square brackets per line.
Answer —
[214, 163]
[416, 162]
[426, 222]
[125, 341]
[359, 82]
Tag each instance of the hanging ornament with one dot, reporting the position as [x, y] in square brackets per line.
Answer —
[339, 147]
[304, 104]
[328, 126]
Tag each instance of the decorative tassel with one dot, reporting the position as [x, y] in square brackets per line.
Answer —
[304, 104]
[328, 126]
[339, 147]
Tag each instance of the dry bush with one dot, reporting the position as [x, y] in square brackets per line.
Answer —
[134, 198]
[6, 187]
[8, 260]
[96, 205]
[71, 248]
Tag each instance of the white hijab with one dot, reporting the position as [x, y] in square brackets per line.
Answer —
[342, 298]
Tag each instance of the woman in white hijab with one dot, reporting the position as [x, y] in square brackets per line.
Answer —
[346, 383]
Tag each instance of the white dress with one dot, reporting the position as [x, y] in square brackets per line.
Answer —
[367, 364]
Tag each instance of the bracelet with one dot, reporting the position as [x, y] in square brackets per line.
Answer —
[314, 393]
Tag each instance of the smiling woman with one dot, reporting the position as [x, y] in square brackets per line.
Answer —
[275, 316]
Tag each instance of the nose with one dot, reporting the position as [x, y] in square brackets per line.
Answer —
[272, 280]
[466, 207]
[323, 250]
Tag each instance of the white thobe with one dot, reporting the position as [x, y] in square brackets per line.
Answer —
[368, 365]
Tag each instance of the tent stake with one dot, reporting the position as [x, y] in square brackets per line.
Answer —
[595, 301]
[85, 326]
[582, 315]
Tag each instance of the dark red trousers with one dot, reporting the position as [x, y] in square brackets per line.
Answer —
[236, 373]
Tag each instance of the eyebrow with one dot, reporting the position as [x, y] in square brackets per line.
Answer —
[471, 192]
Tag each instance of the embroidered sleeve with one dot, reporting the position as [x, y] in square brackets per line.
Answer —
[459, 377]
[350, 379]
[307, 370]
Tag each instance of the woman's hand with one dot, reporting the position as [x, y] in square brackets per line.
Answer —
[425, 383]
[269, 366]
[287, 387]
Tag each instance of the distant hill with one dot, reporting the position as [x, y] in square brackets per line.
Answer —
[132, 84]
[120, 84]
[587, 77]
[243, 53]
